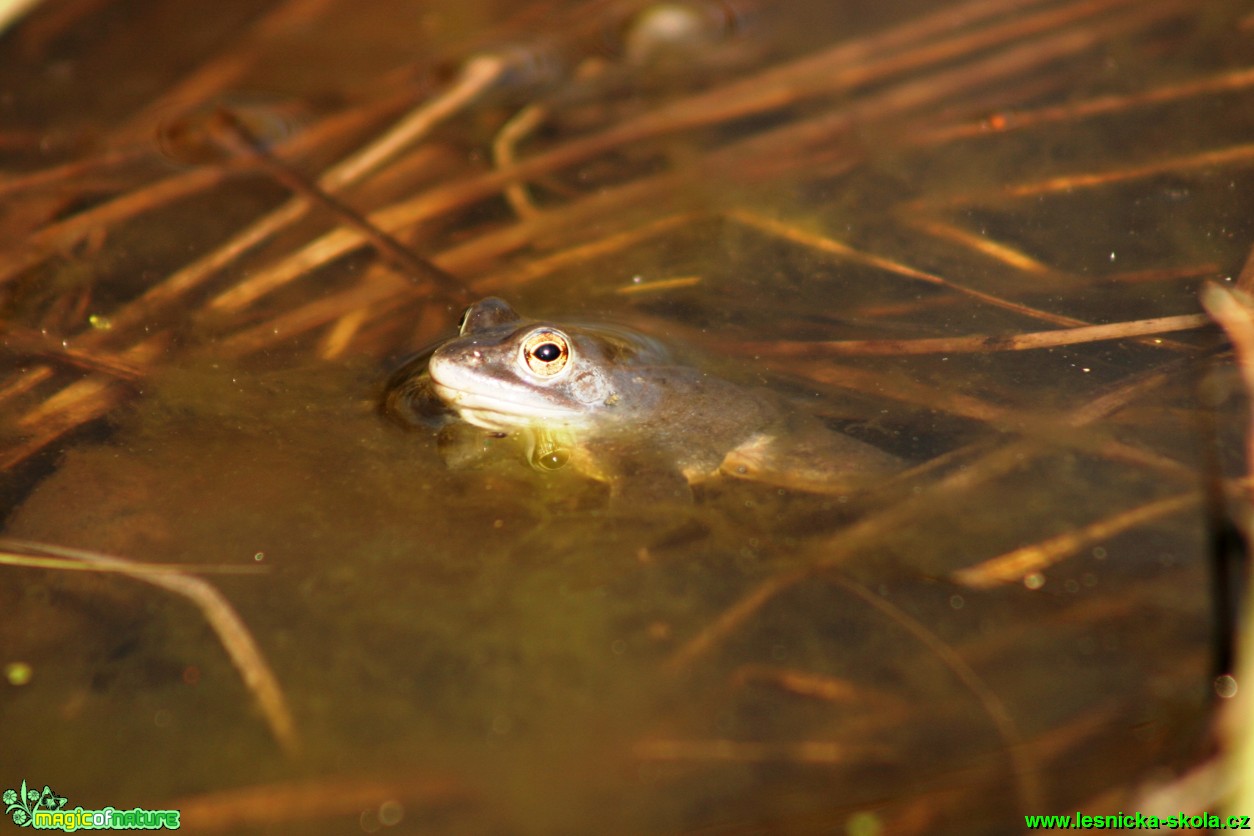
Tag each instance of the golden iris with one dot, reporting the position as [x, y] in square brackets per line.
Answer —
[546, 352]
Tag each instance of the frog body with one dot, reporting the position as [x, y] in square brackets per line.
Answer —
[616, 405]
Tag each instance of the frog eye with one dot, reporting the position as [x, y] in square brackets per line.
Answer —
[546, 352]
[554, 459]
[461, 323]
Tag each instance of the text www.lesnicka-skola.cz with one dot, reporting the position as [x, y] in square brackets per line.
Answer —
[1139, 821]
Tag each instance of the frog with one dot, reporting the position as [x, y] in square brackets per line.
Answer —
[620, 407]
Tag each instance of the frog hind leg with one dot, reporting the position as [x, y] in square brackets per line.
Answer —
[636, 477]
[823, 462]
[643, 484]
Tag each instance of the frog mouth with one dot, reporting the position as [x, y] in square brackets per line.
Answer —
[494, 411]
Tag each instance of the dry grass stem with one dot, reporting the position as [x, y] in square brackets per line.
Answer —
[216, 610]
[672, 118]
[995, 250]
[512, 132]
[69, 175]
[235, 135]
[32, 343]
[63, 564]
[77, 404]
[961, 82]
[382, 294]
[1164, 274]
[381, 286]
[1235, 314]
[64, 234]
[844, 546]
[732, 617]
[868, 530]
[337, 340]
[1226, 82]
[1015, 566]
[1237, 155]
[978, 342]
[823, 243]
[817, 752]
[658, 286]
[477, 76]
[1245, 279]
[829, 71]
[815, 686]
[290, 803]
[13, 11]
[1234, 311]
[82, 395]
[1026, 770]
[618, 241]
[456, 195]
[24, 382]
[1081, 333]
[209, 79]
[1220, 157]
[433, 204]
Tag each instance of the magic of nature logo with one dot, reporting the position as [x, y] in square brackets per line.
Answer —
[45, 810]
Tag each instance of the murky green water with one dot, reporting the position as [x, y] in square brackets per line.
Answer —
[488, 648]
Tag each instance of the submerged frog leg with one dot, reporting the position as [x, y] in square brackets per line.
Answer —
[817, 461]
[634, 476]
[651, 485]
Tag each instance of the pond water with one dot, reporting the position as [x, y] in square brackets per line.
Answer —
[1018, 622]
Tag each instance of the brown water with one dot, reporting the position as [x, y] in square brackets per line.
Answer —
[493, 649]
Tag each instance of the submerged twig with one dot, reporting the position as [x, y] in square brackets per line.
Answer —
[73, 406]
[29, 342]
[75, 565]
[1026, 773]
[1021, 563]
[1021, 119]
[315, 799]
[65, 233]
[523, 123]
[822, 752]
[223, 71]
[826, 244]
[979, 343]
[996, 250]
[226, 623]
[477, 76]
[774, 89]
[1235, 314]
[237, 136]
[868, 530]
[805, 684]
[1234, 155]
